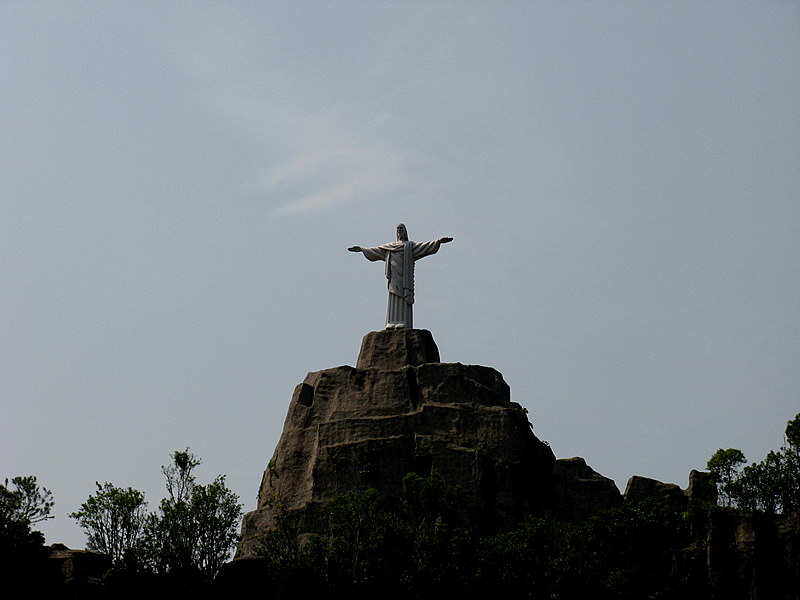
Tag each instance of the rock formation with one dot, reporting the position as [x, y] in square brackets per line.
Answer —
[640, 488]
[77, 570]
[400, 410]
[748, 555]
[579, 491]
[701, 487]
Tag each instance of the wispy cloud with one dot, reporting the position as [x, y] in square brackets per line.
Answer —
[313, 156]
[336, 193]
[417, 107]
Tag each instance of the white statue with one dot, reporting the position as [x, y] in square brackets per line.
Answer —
[399, 257]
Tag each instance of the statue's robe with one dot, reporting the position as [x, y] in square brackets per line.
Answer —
[399, 258]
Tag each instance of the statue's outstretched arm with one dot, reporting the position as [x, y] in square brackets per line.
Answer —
[355, 248]
[444, 240]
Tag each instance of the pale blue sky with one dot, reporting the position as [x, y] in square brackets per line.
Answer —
[180, 182]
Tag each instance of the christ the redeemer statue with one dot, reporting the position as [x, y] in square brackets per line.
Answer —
[399, 257]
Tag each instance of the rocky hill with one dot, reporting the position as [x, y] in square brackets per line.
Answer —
[401, 410]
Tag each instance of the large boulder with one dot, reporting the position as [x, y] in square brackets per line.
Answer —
[702, 487]
[399, 412]
[643, 488]
[579, 491]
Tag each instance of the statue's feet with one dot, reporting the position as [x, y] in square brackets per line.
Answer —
[395, 326]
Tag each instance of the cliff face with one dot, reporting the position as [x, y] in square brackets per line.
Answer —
[749, 555]
[401, 410]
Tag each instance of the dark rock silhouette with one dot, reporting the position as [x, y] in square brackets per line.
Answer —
[579, 491]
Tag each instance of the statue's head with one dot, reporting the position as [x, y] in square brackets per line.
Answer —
[402, 234]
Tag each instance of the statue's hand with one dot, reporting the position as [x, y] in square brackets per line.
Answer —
[355, 249]
[444, 240]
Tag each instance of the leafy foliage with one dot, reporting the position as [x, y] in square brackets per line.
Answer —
[216, 512]
[724, 468]
[363, 543]
[424, 546]
[296, 570]
[188, 538]
[27, 503]
[626, 552]
[195, 528]
[22, 503]
[437, 534]
[113, 519]
[790, 491]
[420, 541]
[772, 485]
[179, 476]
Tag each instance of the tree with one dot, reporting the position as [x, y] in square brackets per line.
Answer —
[180, 480]
[362, 544]
[294, 569]
[792, 432]
[189, 537]
[724, 467]
[20, 507]
[759, 485]
[624, 553]
[170, 534]
[113, 519]
[28, 503]
[216, 512]
[772, 485]
[790, 492]
[437, 533]
[196, 526]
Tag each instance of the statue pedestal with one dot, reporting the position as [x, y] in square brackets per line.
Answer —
[391, 349]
